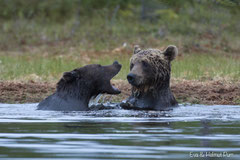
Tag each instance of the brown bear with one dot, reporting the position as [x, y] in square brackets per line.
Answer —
[77, 87]
[149, 77]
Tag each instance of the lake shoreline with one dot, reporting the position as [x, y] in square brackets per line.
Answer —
[209, 92]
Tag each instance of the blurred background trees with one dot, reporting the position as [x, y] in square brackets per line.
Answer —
[104, 24]
[153, 10]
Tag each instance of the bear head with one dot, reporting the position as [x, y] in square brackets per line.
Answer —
[149, 76]
[90, 80]
[150, 68]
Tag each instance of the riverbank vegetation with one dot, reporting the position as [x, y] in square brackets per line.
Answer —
[42, 39]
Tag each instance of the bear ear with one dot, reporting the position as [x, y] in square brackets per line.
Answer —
[69, 76]
[171, 52]
[136, 49]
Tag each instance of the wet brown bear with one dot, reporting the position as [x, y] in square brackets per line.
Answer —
[149, 76]
[77, 87]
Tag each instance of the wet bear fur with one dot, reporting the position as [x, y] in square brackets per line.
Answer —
[77, 87]
[150, 72]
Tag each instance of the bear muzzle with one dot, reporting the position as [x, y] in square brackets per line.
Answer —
[110, 72]
[131, 78]
[134, 80]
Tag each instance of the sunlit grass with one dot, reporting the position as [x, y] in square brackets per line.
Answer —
[23, 66]
[206, 66]
[45, 50]
[189, 66]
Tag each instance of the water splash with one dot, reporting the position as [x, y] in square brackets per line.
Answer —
[94, 100]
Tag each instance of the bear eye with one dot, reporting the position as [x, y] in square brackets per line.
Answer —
[131, 66]
[144, 63]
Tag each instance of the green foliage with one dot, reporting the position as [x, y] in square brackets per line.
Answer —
[61, 10]
[204, 66]
[192, 66]
[23, 66]
[56, 10]
[167, 14]
[52, 10]
[56, 26]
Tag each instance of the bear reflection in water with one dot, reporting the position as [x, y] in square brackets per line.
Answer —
[77, 87]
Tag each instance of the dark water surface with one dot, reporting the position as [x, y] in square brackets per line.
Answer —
[203, 132]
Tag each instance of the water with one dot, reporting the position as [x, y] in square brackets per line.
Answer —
[203, 132]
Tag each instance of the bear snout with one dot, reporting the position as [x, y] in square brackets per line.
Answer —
[131, 78]
[116, 63]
